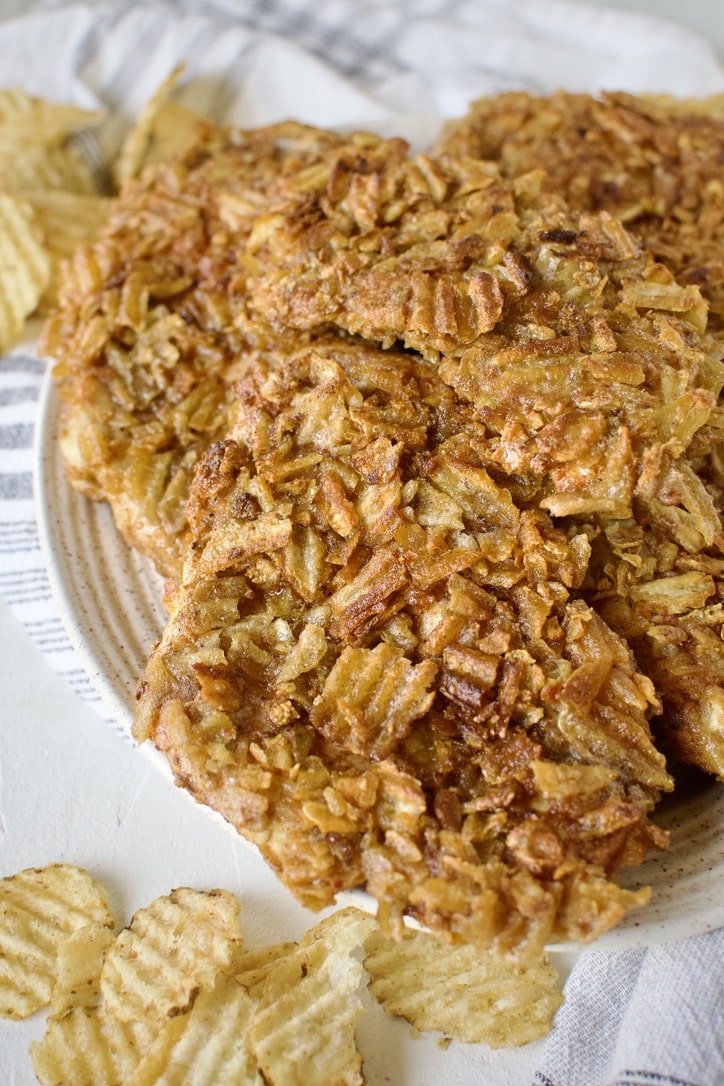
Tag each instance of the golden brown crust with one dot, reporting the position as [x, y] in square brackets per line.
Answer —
[655, 163]
[377, 669]
[586, 359]
[667, 602]
[144, 338]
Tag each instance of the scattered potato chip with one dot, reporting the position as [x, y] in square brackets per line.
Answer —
[303, 1028]
[39, 909]
[172, 948]
[175, 130]
[209, 1046]
[138, 140]
[466, 994]
[24, 266]
[24, 117]
[75, 1050]
[85, 1046]
[67, 219]
[36, 168]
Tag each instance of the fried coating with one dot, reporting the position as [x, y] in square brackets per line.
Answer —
[581, 354]
[144, 339]
[668, 604]
[378, 670]
[589, 363]
[653, 162]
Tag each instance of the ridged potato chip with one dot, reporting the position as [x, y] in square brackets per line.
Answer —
[24, 266]
[209, 1046]
[37, 168]
[39, 909]
[303, 1028]
[36, 120]
[172, 948]
[67, 219]
[85, 1046]
[469, 995]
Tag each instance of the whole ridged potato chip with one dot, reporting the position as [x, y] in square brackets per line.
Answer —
[468, 995]
[171, 949]
[39, 909]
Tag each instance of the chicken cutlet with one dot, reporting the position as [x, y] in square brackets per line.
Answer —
[377, 667]
[590, 365]
[653, 162]
[144, 339]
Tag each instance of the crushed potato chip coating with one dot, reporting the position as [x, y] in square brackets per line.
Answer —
[654, 163]
[587, 361]
[144, 338]
[156, 966]
[39, 909]
[347, 530]
[668, 602]
[468, 995]
[302, 1030]
[591, 365]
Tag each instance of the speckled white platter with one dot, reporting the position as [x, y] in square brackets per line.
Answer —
[110, 601]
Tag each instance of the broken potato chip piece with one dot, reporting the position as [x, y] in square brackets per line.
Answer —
[302, 1032]
[139, 139]
[78, 968]
[39, 909]
[468, 995]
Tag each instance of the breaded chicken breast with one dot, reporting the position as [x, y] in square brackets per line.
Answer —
[653, 162]
[144, 338]
[378, 669]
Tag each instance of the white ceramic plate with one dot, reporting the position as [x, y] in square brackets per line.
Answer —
[110, 601]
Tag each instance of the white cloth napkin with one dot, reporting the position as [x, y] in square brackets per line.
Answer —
[644, 1017]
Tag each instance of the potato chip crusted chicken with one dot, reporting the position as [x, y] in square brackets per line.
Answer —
[144, 337]
[582, 354]
[378, 670]
[587, 361]
[653, 162]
